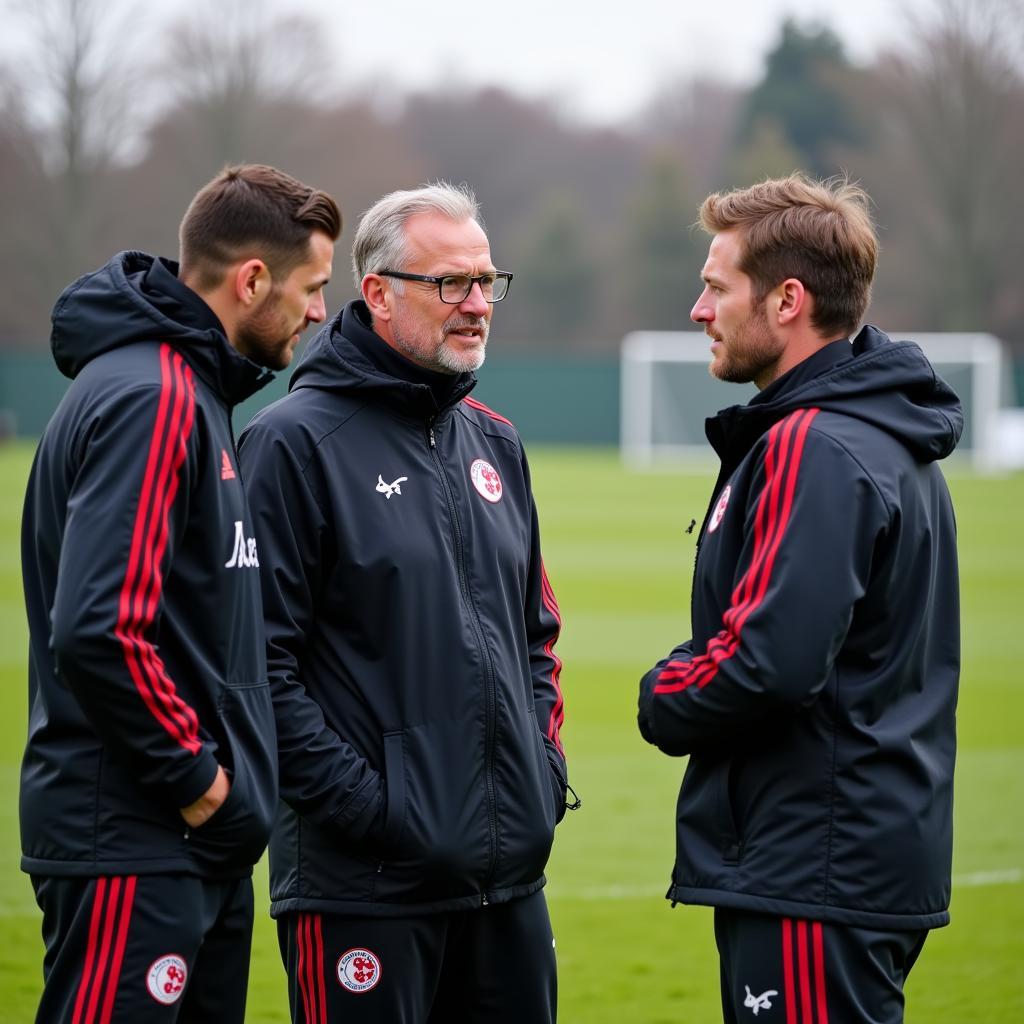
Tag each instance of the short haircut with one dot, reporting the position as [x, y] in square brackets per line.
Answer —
[819, 232]
[253, 210]
[380, 242]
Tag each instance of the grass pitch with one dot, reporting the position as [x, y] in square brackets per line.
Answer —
[620, 563]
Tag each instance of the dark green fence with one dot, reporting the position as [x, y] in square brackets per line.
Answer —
[550, 400]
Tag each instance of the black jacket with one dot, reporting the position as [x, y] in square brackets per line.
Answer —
[146, 662]
[817, 697]
[411, 631]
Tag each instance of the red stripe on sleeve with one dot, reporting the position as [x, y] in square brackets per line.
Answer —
[782, 465]
[143, 580]
[558, 710]
[480, 407]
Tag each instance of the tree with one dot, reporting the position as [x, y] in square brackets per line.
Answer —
[801, 97]
[70, 110]
[242, 78]
[947, 155]
[555, 289]
[662, 256]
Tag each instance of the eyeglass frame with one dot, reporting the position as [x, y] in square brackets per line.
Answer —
[439, 281]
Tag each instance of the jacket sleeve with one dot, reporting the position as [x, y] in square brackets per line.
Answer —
[321, 775]
[811, 529]
[543, 625]
[128, 478]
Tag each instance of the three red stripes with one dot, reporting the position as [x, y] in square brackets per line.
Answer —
[810, 1006]
[558, 711]
[310, 942]
[782, 465]
[108, 934]
[143, 581]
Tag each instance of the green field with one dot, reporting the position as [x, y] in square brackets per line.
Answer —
[620, 563]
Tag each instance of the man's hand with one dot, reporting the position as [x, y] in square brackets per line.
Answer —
[204, 808]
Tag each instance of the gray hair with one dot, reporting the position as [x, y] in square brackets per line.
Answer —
[380, 242]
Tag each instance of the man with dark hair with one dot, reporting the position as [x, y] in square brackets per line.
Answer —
[817, 697]
[149, 780]
[411, 631]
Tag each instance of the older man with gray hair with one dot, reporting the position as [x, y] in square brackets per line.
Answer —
[411, 630]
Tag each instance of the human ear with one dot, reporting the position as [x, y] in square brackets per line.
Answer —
[251, 282]
[376, 296]
[790, 299]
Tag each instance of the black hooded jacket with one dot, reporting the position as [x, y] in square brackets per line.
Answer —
[817, 697]
[146, 661]
[411, 631]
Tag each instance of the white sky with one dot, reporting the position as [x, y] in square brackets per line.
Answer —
[600, 59]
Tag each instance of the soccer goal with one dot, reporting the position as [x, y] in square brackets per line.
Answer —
[667, 392]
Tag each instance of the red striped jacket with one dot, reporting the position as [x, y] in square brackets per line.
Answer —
[816, 698]
[141, 584]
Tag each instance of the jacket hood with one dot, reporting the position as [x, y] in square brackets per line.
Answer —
[889, 384]
[122, 304]
[336, 360]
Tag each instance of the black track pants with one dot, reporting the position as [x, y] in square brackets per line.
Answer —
[789, 971]
[138, 949]
[493, 965]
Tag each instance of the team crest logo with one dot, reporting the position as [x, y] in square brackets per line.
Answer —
[166, 978]
[359, 970]
[486, 480]
[719, 513]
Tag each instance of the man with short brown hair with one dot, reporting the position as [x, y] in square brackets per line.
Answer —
[816, 699]
[149, 781]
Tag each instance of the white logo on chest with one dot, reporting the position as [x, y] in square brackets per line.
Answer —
[486, 480]
[719, 513]
[392, 488]
[243, 555]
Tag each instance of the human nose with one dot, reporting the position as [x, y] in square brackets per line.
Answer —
[474, 302]
[703, 312]
[317, 311]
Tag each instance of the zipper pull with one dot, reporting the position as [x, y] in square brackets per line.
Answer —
[430, 433]
[483, 901]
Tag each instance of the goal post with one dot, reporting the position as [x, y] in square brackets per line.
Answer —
[667, 392]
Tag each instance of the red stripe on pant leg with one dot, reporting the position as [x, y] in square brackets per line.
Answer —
[300, 971]
[90, 954]
[318, 964]
[819, 971]
[109, 920]
[124, 916]
[787, 970]
[805, 979]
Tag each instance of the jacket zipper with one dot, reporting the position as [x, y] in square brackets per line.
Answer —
[489, 687]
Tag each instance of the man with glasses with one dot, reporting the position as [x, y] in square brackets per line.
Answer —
[411, 630]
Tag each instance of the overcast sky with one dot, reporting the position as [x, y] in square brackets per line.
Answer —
[599, 59]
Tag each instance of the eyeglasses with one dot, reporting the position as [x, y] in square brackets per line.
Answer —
[455, 288]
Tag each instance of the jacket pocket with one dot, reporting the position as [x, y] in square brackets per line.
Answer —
[730, 835]
[394, 771]
[236, 835]
[551, 778]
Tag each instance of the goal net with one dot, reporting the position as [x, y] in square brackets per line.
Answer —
[667, 392]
